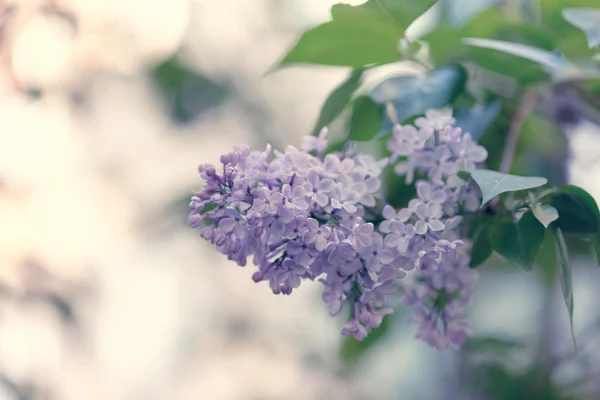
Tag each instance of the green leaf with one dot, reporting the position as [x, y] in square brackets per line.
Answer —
[186, 93]
[412, 95]
[566, 282]
[578, 211]
[586, 19]
[482, 248]
[584, 196]
[519, 242]
[337, 100]
[356, 37]
[352, 349]
[492, 183]
[399, 12]
[546, 58]
[366, 119]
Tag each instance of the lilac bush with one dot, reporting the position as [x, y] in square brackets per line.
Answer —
[307, 215]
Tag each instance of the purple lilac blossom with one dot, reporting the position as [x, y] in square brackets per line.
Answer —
[303, 215]
[426, 231]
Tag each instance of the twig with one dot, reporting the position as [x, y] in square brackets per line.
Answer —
[525, 106]
[516, 125]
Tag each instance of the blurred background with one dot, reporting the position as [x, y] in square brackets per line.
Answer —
[106, 109]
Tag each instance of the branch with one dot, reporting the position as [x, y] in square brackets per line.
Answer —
[525, 106]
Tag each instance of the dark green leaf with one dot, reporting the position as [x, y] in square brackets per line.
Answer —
[353, 349]
[185, 92]
[577, 209]
[586, 19]
[366, 119]
[519, 242]
[464, 175]
[564, 268]
[397, 192]
[337, 100]
[584, 196]
[482, 248]
[351, 39]
[412, 95]
[492, 183]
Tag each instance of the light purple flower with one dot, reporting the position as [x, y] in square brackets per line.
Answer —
[429, 218]
[318, 144]
[469, 152]
[399, 236]
[345, 199]
[266, 200]
[295, 198]
[404, 141]
[429, 193]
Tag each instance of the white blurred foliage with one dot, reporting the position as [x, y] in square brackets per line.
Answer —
[63, 42]
[81, 192]
[42, 52]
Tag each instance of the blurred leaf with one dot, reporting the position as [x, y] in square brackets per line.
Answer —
[412, 95]
[570, 40]
[187, 93]
[533, 35]
[596, 244]
[491, 345]
[366, 119]
[397, 192]
[545, 213]
[519, 242]
[445, 41]
[546, 58]
[459, 12]
[352, 349]
[586, 19]
[482, 248]
[477, 119]
[564, 267]
[337, 100]
[585, 197]
[492, 183]
[577, 209]
[357, 36]
[401, 12]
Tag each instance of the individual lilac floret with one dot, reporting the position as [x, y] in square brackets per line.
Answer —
[301, 217]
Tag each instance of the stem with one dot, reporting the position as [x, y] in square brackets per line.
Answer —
[525, 106]
[516, 125]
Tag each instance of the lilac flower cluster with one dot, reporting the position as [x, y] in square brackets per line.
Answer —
[427, 230]
[303, 215]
